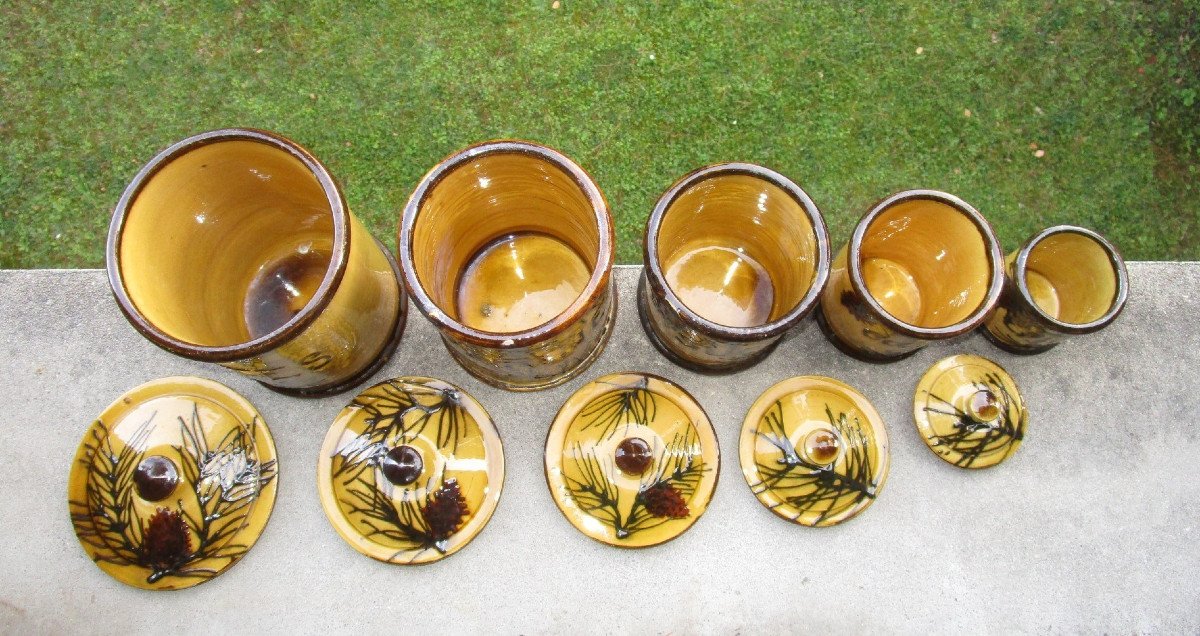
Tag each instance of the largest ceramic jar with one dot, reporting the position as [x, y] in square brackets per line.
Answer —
[236, 247]
[507, 247]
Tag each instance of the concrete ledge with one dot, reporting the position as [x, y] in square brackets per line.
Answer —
[1091, 526]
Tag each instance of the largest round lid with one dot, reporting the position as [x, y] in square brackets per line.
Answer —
[173, 483]
[631, 460]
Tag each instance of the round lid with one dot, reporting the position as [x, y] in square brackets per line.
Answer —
[411, 470]
[173, 483]
[631, 460]
[814, 450]
[968, 411]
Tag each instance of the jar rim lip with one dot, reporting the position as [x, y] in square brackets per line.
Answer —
[1020, 268]
[991, 248]
[653, 264]
[597, 283]
[334, 272]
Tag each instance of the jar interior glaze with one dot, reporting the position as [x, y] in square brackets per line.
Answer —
[738, 250]
[505, 242]
[926, 263]
[1071, 277]
[227, 243]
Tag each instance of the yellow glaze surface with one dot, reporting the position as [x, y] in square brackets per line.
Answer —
[518, 282]
[925, 265]
[969, 411]
[1068, 283]
[507, 247]
[814, 450]
[443, 500]
[738, 250]
[230, 243]
[588, 476]
[1071, 278]
[173, 483]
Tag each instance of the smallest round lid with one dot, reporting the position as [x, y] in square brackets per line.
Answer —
[173, 483]
[631, 460]
[411, 470]
[969, 411]
[814, 450]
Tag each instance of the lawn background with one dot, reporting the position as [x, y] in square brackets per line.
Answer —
[851, 102]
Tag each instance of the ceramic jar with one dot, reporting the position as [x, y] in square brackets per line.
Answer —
[1063, 281]
[507, 247]
[237, 247]
[736, 256]
[921, 266]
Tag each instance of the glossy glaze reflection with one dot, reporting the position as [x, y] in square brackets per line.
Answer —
[631, 460]
[508, 248]
[814, 451]
[518, 282]
[969, 411]
[921, 265]
[410, 471]
[722, 284]
[173, 483]
[736, 256]
[1063, 281]
[282, 288]
[235, 247]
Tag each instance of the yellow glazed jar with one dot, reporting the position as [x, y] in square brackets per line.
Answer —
[507, 247]
[921, 266]
[736, 258]
[236, 247]
[1064, 281]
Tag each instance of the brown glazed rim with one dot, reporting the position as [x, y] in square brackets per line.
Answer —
[992, 246]
[290, 329]
[658, 280]
[670, 384]
[597, 284]
[1114, 257]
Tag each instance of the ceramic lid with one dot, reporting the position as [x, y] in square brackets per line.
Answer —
[411, 470]
[173, 483]
[631, 460]
[814, 450]
[969, 411]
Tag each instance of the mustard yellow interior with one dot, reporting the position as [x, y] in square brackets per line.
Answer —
[926, 263]
[737, 250]
[1071, 277]
[209, 223]
[510, 234]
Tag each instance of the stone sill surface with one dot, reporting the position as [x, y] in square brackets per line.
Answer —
[1091, 526]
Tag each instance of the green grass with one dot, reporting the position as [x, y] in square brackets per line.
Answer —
[835, 97]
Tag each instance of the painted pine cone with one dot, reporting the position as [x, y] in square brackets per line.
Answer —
[445, 511]
[663, 500]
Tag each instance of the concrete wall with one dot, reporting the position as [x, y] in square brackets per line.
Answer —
[1091, 526]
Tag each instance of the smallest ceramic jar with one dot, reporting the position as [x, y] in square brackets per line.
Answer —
[1064, 281]
[736, 257]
